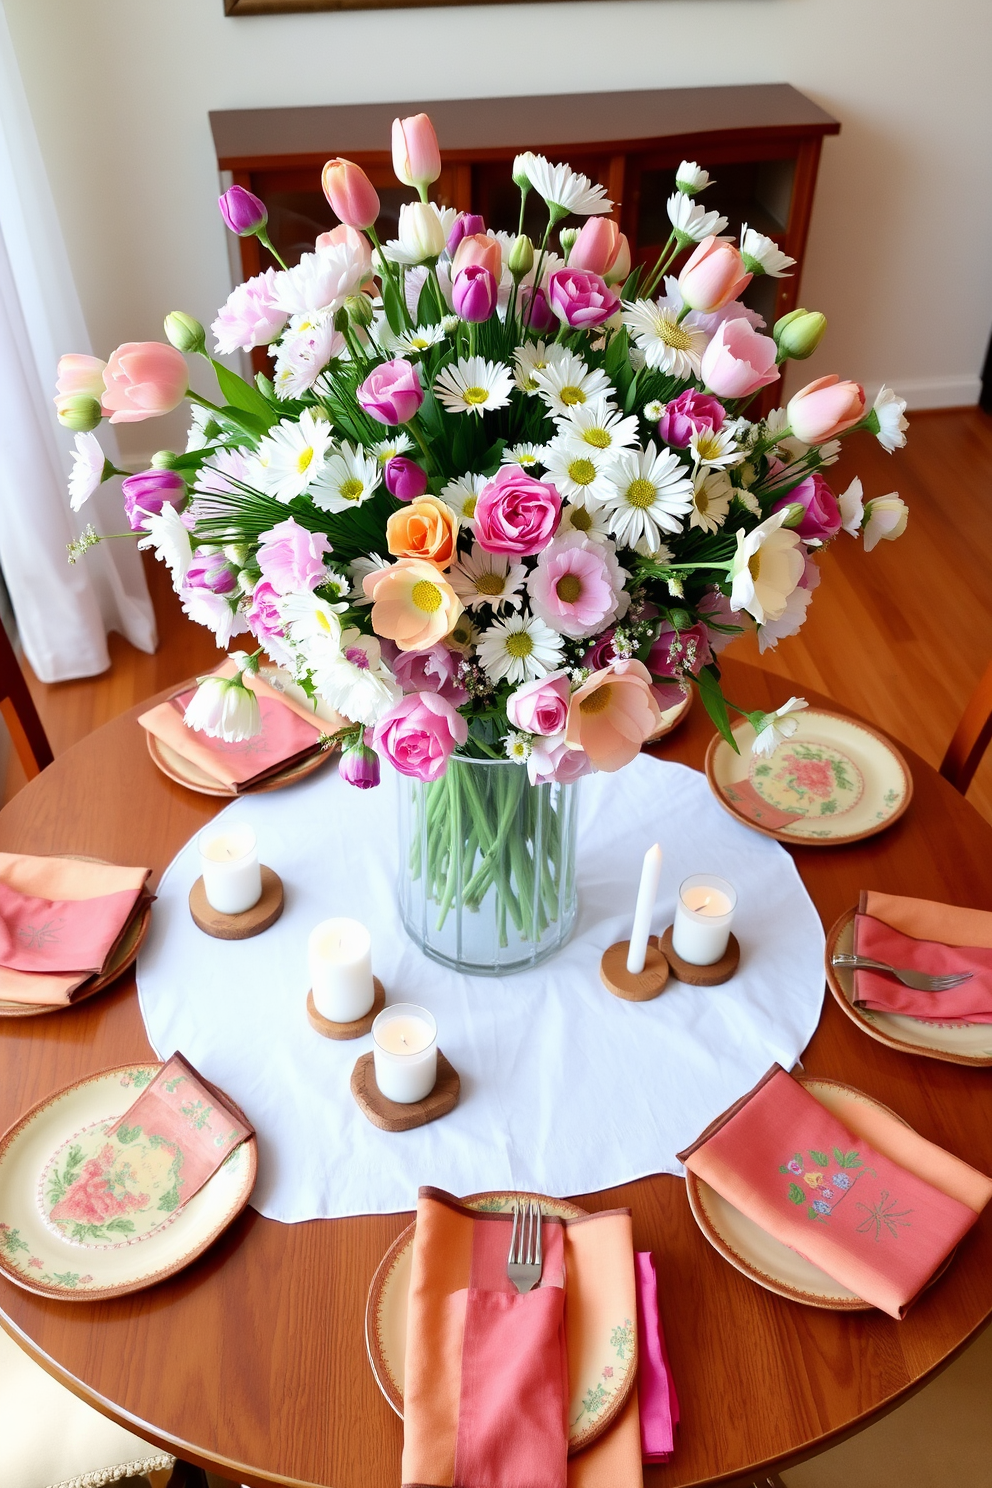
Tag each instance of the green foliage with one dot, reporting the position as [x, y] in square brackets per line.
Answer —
[708, 682]
[796, 1194]
[820, 1158]
[847, 1159]
[243, 399]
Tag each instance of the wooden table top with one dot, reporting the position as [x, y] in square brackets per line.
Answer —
[252, 1361]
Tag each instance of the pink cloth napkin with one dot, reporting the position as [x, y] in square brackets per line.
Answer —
[658, 1401]
[924, 936]
[190, 1116]
[745, 798]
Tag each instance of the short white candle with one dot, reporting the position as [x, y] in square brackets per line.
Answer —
[647, 893]
[703, 917]
[340, 955]
[232, 878]
[404, 1047]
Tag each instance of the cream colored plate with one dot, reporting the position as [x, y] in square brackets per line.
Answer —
[672, 717]
[844, 779]
[956, 1043]
[385, 1325]
[34, 1256]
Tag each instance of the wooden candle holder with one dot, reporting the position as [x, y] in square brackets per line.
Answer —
[329, 1029]
[238, 926]
[393, 1116]
[702, 976]
[640, 986]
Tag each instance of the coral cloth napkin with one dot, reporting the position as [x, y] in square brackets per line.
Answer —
[289, 733]
[60, 919]
[485, 1396]
[659, 1404]
[880, 1219]
[190, 1116]
[923, 936]
[745, 798]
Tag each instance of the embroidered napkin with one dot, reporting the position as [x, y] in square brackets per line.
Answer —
[190, 1117]
[60, 921]
[924, 936]
[659, 1404]
[745, 798]
[880, 1219]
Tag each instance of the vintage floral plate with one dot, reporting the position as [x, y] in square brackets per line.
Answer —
[52, 1247]
[385, 1331]
[836, 780]
[758, 1255]
[956, 1043]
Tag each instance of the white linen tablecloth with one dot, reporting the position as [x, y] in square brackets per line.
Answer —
[565, 1089]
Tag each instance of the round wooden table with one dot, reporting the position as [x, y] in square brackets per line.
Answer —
[252, 1361]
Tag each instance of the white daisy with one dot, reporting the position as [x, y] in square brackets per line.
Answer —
[480, 578]
[291, 455]
[653, 411]
[471, 385]
[348, 478]
[203, 429]
[651, 492]
[388, 449]
[359, 570]
[668, 345]
[313, 626]
[356, 681]
[462, 495]
[410, 342]
[566, 190]
[517, 747]
[690, 178]
[168, 537]
[763, 256]
[775, 728]
[597, 429]
[519, 649]
[88, 465]
[575, 473]
[887, 419]
[715, 447]
[565, 383]
[226, 473]
[710, 500]
[524, 455]
[691, 221]
[589, 520]
[533, 358]
[304, 351]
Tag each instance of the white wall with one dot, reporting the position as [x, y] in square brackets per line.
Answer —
[899, 250]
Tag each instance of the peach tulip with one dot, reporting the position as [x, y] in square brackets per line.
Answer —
[620, 269]
[357, 244]
[351, 194]
[412, 604]
[416, 157]
[596, 247]
[142, 380]
[825, 408]
[713, 276]
[481, 249]
[612, 714]
[79, 373]
[427, 528]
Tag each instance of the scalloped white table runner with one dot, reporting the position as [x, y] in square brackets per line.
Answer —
[565, 1089]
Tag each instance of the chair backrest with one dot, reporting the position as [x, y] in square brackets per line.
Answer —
[20, 714]
[971, 737]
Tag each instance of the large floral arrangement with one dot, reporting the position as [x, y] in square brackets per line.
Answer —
[495, 497]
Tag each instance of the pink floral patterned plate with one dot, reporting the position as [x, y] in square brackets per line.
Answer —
[106, 1191]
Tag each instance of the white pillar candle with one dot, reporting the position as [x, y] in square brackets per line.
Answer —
[647, 893]
[340, 955]
[703, 917]
[404, 1047]
[232, 878]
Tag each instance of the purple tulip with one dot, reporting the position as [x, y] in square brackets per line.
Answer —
[242, 211]
[359, 767]
[146, 493]
[473, 293]
[535, 312]
[210, 571]
[465, 224]
[405, 479]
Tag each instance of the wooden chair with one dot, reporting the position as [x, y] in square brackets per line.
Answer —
[971, 737]
[20, 714]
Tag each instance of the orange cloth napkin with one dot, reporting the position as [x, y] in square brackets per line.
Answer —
[59, 879]
[879, 1211]
[924, 936]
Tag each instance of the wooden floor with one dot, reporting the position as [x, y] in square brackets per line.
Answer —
[901, 635]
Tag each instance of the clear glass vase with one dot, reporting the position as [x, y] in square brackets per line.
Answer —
[487, 866]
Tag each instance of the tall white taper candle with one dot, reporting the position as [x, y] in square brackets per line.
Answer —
[646, 895]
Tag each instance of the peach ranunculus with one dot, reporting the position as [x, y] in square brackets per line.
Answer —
[79, 373]
[825, 408]
[412, 604]
[481, 249]
[427, 528]
[350, 193]
[612, 714]
[142, 380]
[416, 157]
[713, 276]
[357, 244]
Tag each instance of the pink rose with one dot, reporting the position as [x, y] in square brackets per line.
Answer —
[541, 706]
[825, 408]
[552, 760]
[581, 299]
[391, 393]
[420, 734]
[602, 652]
[142, 380]
[291, 558]
[738, 361]
[577, 586]
[250, 317]
[688, 414]
[713, 275]
[435, 670]
[516, 514]
[821, 518]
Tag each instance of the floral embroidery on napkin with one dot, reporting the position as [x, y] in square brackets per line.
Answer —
[823, 1189]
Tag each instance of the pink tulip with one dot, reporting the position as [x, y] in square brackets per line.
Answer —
[416, 157]
[142, 380]
[825, 408]
[351, 194]
[612, 714]
[713, 276]
[391, 393]
[474, 294]
[738, 361]
[581, 299]
[465, 223]
[419, 735]
[535, 312]
[404, 479]
[78, 373]
[481, 249]
[348, 237]
[596, 248]
[690, 413]
[821, 519]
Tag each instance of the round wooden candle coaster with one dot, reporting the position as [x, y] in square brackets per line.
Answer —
[702, 976]
[639, 986]
[357, 1027]
[238, 926]
[392, 1116]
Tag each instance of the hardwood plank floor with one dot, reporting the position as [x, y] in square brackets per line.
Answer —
[901, 635]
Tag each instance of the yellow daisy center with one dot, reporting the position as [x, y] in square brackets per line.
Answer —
[673, 335]
[702, 501]
[475, 395]
[468, 507]
[322, 620]
[754, 565]
[598, 701]
[640, 493]
[490, 583]
[304, 458]
[572, 395]
[582, 472]
[568, 588]
[580, 519]
[708, 446]
[418, 343]
[426, 596]
[351, 489]
[598, 438]
[519, 644]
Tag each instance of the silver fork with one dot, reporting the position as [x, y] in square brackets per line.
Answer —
[523, 1264]
[920, 981]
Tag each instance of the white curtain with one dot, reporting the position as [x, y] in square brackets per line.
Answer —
[63, 613]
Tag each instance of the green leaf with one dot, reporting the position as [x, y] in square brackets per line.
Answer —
[242, 396]
[796, 1194]
[708, 682]
[820, 1158]
[128, 1133]
[392, 306]
[427, 310]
